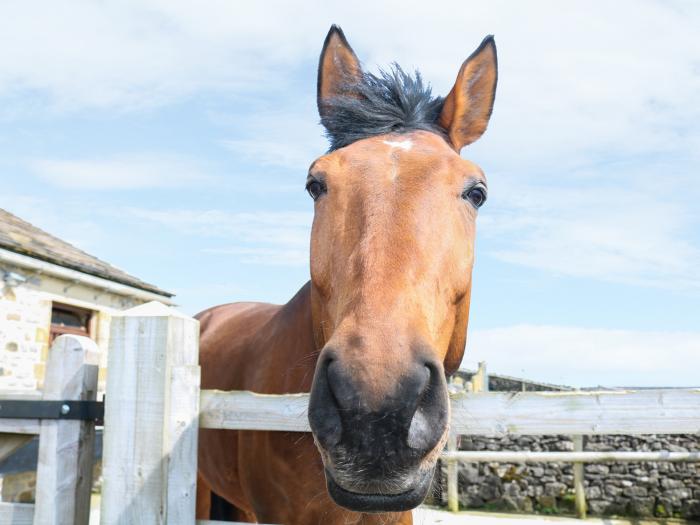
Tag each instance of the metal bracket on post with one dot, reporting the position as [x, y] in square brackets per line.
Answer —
[42, 409]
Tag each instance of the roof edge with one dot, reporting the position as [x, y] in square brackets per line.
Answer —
[131, 283]
[96, 281]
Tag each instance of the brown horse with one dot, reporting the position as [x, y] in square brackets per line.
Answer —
[383, 320]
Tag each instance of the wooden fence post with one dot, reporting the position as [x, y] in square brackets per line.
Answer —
[66, 447]
[480, 380]
[151, 418]
[479, 383]
[579, 492]
[452, 476]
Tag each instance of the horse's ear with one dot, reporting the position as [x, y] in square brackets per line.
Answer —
[337, 67]
[467, 108]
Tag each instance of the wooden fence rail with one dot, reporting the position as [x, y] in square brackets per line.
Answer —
[468, 456]
[674, 411]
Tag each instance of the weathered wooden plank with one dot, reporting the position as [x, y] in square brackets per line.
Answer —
[595, 413]
[181, 443]
[133, 466]
[452, 476]
[20, 394]
[508, 456]
[64, 471]
[149, 439]
[579, 492]
[20, 426]
[673, 411]
[247, 410]
[16, 513]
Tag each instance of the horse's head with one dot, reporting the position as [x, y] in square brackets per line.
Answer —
[392, 250]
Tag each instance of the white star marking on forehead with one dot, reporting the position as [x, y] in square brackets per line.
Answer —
[403, 144]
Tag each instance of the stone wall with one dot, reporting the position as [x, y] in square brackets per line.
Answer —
[25, 321]
[631, 489]
[20, 487]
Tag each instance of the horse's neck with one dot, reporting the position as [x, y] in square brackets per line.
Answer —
[288, 341]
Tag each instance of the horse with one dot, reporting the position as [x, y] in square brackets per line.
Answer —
[382, 322]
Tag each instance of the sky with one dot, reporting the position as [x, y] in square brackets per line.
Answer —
[172, 139]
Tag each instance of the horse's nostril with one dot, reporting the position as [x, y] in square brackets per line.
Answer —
[341, 389]
[430, 418]
[419, 433]
[324, 417]
[427, 374]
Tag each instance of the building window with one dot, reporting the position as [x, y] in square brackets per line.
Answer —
[66, 319]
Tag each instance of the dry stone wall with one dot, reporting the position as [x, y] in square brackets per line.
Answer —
[660, 489]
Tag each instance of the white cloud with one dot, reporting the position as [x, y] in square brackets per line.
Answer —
[588, 357]
[287, 140]
[269, 152]
[267, 256]
[198, 297]
[121, 173]
[133, 54]
[70, 220]
[578, 83]
[603, 71]
[280, 227]
[598, 230]
[268, 238]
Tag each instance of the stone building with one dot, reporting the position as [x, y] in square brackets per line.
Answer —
[49, 287]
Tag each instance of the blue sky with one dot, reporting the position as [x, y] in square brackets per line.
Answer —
[172, 140]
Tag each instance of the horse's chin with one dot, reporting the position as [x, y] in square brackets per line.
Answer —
[378, 501]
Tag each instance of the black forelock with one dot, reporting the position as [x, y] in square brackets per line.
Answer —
[392, 102]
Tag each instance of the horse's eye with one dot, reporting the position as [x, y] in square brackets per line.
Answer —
[315, 189]
[476, 195]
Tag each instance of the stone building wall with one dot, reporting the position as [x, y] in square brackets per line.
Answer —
[25, 321]
[660, 489]
[20, 487]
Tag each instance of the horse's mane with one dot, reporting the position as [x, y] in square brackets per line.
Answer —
[393, 101]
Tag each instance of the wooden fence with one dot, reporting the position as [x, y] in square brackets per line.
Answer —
[154, 408]
[64, 470]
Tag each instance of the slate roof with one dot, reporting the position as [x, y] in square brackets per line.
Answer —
[24, 238]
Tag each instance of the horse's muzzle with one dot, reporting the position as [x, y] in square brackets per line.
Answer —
[379, 451]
